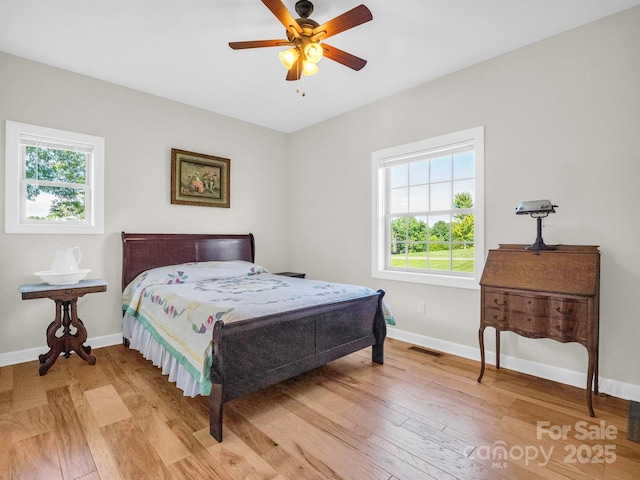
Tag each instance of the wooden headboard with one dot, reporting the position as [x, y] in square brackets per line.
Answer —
[142, 251]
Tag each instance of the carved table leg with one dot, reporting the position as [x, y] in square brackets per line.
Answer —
[77, 340]
[55, 344]
[66, 317]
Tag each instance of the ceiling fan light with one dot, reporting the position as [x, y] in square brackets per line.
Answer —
[313, 52]
[309, 68]
[288, 57]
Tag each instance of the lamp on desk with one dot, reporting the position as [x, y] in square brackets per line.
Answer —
[538, 209]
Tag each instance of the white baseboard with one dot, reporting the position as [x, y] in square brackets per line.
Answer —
[627, 391]
[22, 356]
[609, 386]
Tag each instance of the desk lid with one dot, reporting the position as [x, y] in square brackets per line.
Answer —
[569, 269]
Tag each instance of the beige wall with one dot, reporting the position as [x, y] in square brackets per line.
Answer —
[139, 132]
[562, 121]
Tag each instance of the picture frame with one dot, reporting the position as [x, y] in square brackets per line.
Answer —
[200, 179]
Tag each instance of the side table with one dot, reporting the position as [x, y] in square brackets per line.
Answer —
[66, 298]
[291, 274]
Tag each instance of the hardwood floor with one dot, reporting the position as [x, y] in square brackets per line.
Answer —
[418, 416]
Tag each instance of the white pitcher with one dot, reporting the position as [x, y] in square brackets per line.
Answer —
[65, 259]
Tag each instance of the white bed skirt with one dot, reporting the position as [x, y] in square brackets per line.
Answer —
[140, 339]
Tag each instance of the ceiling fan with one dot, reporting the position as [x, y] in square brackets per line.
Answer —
[304, 36]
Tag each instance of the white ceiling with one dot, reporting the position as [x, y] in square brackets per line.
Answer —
[178, 49]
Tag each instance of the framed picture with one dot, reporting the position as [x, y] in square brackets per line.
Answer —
[198, 179]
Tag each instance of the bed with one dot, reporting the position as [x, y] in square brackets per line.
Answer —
[252, 353]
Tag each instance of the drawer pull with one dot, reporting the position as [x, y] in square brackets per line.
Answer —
[502, 320]
[564, 312]
[502, 303]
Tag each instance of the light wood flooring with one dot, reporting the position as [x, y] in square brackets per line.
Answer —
[418, 416]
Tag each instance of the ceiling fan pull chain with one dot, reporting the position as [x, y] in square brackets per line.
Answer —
[302, 92]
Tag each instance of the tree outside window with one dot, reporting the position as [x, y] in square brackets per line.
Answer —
[58, 180]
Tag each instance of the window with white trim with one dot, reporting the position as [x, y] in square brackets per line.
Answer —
[54, 181]
[428, 210]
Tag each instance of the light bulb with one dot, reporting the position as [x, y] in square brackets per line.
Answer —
[309, 68]
[313, 52]
[289, 57]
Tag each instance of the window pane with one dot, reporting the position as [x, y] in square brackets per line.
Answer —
[439, 257]
[398, 255]
[399, 176]
[419, 172]
[441, 196]
[462, 259]
[441, 169]
[417, 259]
[55, 165]
[397, 244]
[55, 204]
[398, 235]
[464, 186]
[419, 198]
[440, 228]
[399, 200]
[462, 229]
[418, 231]
[463, 165]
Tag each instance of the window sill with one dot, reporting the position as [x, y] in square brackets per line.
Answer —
[470, 283]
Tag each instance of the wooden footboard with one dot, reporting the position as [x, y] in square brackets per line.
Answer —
[253, 354]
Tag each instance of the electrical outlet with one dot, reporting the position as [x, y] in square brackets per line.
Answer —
[420, 307]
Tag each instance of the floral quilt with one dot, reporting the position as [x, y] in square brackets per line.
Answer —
[179, 304]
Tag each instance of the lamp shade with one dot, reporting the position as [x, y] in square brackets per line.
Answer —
[313, 52]
[289, 57]
[309, 68]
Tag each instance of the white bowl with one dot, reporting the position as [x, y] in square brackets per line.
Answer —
[69, 278]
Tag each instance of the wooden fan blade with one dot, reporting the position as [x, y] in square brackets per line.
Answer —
[282, 14]
[295, 71]
[354, 17]
[259, 44]
[343, 57]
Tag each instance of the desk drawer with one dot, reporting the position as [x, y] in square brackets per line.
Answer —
[542, 306]
[564, 330]
[505, 320]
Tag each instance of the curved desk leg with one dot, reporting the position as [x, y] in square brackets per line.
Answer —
[482, 359]
[482, 355]
[591, 380]
[595, 373]
[497, 349]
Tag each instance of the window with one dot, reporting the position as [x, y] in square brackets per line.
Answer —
[428, 210]
[54, 181]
